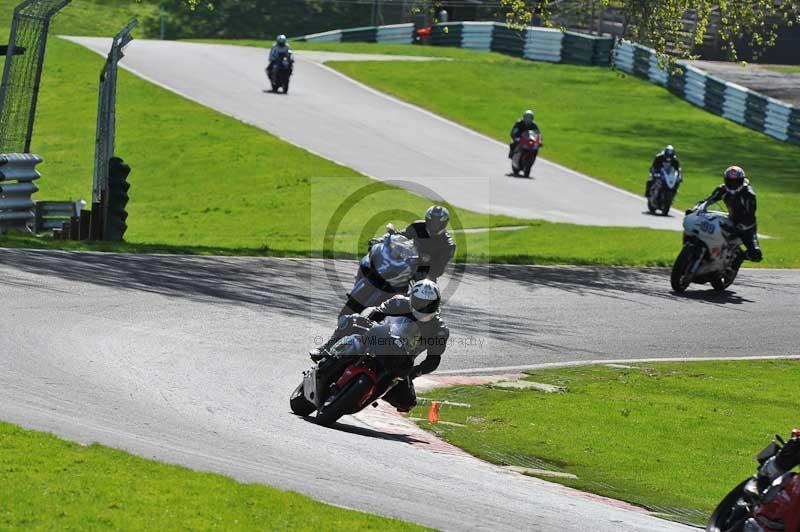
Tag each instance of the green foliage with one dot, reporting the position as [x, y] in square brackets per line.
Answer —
[255, 18]
[674, 435]
[660, 23]
[49, 484]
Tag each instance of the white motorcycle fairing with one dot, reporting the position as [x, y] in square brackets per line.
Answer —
[715, 230]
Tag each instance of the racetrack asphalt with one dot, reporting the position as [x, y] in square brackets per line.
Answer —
[191, 360]
[344, 121]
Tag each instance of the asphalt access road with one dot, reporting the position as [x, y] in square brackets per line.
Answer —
[191, 360]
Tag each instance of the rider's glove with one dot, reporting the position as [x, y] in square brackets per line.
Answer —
[689, 211]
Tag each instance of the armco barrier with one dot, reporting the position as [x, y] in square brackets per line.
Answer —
[508, 41]
[447, 34]
[735, 103]
[729, 100]
[17, 174]
[327, 36]
[477, 35]
[540, 44]
[367, 34]
[543, 44]
[395, 34]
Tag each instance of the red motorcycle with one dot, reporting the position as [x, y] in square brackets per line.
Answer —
[358, 370]
[761, 505]
[525, 153]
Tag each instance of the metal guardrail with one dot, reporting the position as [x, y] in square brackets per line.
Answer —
[17, 175]
[534, 43]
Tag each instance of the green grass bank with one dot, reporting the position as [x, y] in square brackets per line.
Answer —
[49, 484]
[677, 435]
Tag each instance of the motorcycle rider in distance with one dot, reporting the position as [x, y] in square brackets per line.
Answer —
[421, 306]
[280, 47]
[667, 156]
[525, 123]
[740, 199]
[435, 245]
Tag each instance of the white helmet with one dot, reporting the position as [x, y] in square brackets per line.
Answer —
[281, 39]
[425, 298]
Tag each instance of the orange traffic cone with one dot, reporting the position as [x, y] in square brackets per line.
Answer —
[433, 413]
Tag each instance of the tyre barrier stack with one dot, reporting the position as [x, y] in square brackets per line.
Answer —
[538, 44]
[729, 100]
[17, 176]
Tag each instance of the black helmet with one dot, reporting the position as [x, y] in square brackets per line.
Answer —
[669, 152]
[734, 178]
[436, 220]
[425, 298]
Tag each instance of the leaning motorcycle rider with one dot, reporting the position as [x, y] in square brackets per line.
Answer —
[525, 123]
[666, 157]
[280, 47]
[435, 245]
[740, 199]
[421, 306]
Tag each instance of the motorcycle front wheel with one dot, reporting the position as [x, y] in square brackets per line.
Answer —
[346, 402]
[527, 170]
[681, 278]
[299, 404]
[730, 512]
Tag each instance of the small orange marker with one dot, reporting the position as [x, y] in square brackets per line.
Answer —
[433, 413]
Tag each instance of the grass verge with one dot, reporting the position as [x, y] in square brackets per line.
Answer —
[47, 483]
[786, 69]
[660, 435]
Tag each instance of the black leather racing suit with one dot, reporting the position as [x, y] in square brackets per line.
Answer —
[434, 336]
[742, 212]
[435, 251]
[655, 168]
[516, 130]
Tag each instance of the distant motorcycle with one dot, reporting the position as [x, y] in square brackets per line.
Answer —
[359, 370]
[281, 72]
[525, 153]
[712, 251]
[385, 271]
[663, 190]
[757, 508]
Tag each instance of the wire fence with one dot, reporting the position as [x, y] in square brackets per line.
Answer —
[22, 72]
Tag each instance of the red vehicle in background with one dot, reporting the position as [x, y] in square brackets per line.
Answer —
[763, 502]
[525, 153]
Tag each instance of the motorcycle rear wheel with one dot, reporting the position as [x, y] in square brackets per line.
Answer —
[726, 279]
[346, 402]
[680, 278]
[299, 404]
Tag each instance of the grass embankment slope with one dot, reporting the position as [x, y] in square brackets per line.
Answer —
[666, 434]
[49, 484]
[597, 121]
